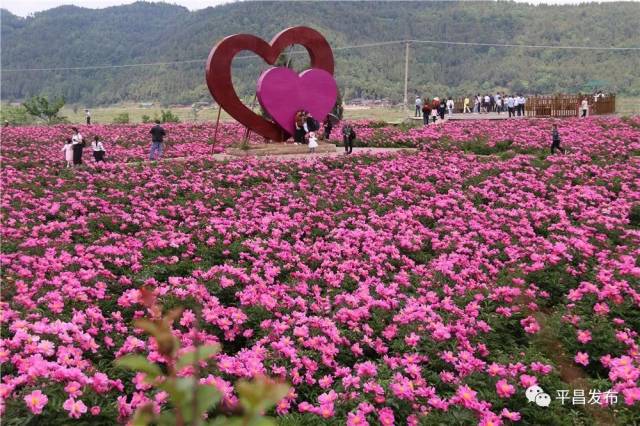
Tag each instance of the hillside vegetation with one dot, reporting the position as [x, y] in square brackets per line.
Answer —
[143, 32]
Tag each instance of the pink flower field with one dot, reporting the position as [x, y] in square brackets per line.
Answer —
[430, 287]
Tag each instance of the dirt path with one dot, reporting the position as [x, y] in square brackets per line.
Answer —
[570, 373]
[285, 157]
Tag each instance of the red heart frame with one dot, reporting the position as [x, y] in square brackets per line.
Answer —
[218, 71]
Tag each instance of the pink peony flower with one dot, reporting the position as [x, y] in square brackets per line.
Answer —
[75, 408]
[527, 381]
[584, 336]
[504, 389]
[36, 401]
[385, 415]
[582, 358]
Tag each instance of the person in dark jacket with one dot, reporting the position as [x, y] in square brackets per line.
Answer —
[555, 137]
[328, 126]
[442, 108]
[312, 123]
[157, 139]
[348, 135]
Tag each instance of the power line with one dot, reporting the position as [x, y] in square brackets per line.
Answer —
[528, 46]
[358, 46]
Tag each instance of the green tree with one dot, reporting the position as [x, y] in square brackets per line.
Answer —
[43, 109]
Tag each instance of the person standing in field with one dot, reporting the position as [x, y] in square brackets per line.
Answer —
[442, 108]
[78, 145]
[157, 139]
[466, 105]
[498, 103]
[435, 105]
[555, 140]
[418, 106]
[426, 112]
[450, 106]
[348, 135]
[87, 114]
[584, 107]
[511, 103]
[68, 152]
[98, 149]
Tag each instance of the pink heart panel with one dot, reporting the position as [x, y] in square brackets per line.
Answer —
[282, 93]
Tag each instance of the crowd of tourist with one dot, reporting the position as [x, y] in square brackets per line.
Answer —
[514, 105]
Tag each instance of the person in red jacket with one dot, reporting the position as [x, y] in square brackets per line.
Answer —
[435, 104]
[426, 112]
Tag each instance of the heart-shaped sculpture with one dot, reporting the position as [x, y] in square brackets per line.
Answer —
[218, 71]
[282, 93]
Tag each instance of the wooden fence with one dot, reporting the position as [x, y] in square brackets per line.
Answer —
[556, 105]
[568, 105]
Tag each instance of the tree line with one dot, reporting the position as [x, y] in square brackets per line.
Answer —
[70, 36]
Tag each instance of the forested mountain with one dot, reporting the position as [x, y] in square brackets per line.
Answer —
[144, 32]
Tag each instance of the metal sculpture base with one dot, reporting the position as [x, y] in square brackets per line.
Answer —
[278, 149]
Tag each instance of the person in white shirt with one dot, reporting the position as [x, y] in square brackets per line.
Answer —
[584, 107]
[78, 145]
[418, 106]
[487, 103]
[523, 102]
[313, 142]
[98, 149]
[68, 152]
[498, 104]
[518, 102]
[450, 106]
[511, 103]
[88, 116]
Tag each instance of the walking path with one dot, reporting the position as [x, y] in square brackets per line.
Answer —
[338, 152]
[285, 157]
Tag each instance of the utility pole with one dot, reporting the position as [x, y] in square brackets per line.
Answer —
[406, 74]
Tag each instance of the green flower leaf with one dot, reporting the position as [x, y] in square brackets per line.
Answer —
[139, 363]
[202, 353]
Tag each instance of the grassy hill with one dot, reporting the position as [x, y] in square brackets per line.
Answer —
[144, 32]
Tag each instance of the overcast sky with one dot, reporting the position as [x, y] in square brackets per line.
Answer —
[25, 7]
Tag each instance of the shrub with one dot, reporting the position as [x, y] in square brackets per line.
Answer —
[122, 118]
[15, 115]
[168, 117]
[634, 215]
